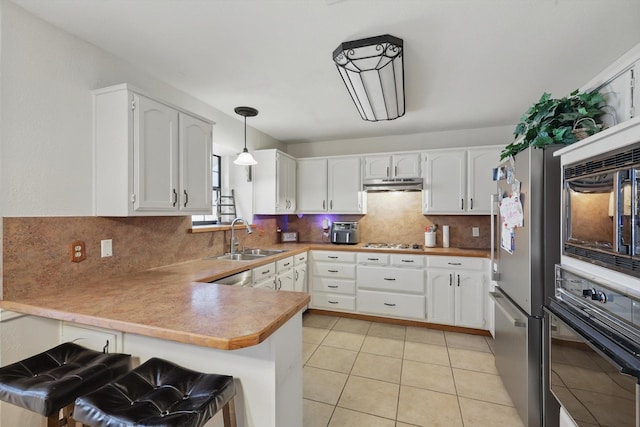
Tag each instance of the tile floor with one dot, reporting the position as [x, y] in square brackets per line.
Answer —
[361, 373]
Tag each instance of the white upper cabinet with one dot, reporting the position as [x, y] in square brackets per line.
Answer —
[150, 158]
[330, 185]
[392, 166]
[444, 181]
[312, 185]
[459, 181]
[274, 183]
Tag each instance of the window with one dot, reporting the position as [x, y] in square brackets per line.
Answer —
[216, 189]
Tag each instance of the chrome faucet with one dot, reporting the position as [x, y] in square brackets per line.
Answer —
[232, 249]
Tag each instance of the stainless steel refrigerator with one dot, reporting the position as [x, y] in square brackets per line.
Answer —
[526, 246]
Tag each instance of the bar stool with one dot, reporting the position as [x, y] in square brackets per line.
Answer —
[51, 381]
[159, 393]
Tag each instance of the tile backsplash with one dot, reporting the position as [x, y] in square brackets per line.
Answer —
[36, 250]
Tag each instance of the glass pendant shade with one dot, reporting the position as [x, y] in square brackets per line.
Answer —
[373, 71]
[245, 158]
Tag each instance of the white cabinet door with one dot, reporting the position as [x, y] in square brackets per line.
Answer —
[440, 296]
[155, 154]
[274, 188]
[195, 165]
[345, 185]
[377, 167]
[312, 186]
[480, 183]
[444, 182]
[300, 278]
[405, 165]
[285, 281]
[289, 175]
[469, 296]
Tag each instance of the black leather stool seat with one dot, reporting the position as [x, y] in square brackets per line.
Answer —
[156, 393]
[49, 381]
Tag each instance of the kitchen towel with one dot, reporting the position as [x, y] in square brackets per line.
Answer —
[445, 236]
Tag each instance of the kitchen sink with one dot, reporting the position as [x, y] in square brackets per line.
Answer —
[263, 252]
[241, 257]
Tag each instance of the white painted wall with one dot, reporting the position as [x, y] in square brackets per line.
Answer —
[46, 79]
[446, 139]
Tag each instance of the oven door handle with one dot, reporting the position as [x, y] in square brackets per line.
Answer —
[601, 344]
[496, 297]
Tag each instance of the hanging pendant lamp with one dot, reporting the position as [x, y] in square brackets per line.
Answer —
[245, 158]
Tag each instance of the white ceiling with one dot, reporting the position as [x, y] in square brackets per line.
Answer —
[468, 63]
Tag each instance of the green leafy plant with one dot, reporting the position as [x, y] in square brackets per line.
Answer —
[552, 121]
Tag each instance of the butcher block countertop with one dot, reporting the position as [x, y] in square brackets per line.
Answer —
[177, 303]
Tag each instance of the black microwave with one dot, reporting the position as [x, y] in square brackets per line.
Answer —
[601, 210]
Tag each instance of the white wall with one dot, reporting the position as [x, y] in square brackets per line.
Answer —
[446, 139]
[46, 79]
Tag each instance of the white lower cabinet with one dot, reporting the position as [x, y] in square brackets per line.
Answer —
[456, 289]
[333, 279]
[284, 274]
[300, 272]
[391, 304]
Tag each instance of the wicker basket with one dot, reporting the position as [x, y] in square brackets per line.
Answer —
[582, 132]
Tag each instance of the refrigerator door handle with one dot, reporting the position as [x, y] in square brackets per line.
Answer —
[496, 297]
[495, 275]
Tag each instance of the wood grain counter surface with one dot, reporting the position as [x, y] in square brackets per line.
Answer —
[176, 303]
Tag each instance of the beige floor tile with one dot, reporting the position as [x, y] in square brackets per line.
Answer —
[428, 376]
[316, 414]
[476, 413]
[428, 408]
[399, 424]
[425, 335]
[428, 353]
[386, 330]
[377, 367]
[307, 351]
[319, 321]
[473, 360]
[313, 335]
[355, 326]
[370, 396]
[383, 346]
[347, 418]
[345, 340]
[322, 385]
[481, 386]
[466, 341]
[333, 359]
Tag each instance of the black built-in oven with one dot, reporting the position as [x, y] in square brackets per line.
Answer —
[594, 350]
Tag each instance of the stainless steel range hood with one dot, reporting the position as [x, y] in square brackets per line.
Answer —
[393, 184]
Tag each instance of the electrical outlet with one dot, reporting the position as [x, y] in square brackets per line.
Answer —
[106, 248]
[78, 251]
[475, 231]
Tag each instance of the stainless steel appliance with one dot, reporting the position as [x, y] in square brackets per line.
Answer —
[393, 184]
[601, 209]
[345, 233]
[523, 258]
[239, 279]
[595, 350]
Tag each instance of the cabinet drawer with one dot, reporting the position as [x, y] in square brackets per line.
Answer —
[456, 263]
[333, 256]
[284, 264]
[340, 286]
[264, 271]
[403, 260]
[324, 269]
[391, 279]
[333, 302]
[393, 304]
[373, 258]
[300, 258]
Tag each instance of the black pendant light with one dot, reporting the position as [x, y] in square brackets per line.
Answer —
[245, 158]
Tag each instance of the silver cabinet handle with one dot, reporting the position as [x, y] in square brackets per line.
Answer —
[266, 272]
[389, 304]
[186, 198]
[286, 264]
[297, 274]
[331, 204]
[324, 204]
[454, 263]
[332, 286]
[471, 205]
[450, 279]
[391, 279]
[279, 286]
[332, 271]
[373, 259]
[462, 203]
[332, 257]
[175, 197]
[332, 302]
[407, 260]
[458, 280]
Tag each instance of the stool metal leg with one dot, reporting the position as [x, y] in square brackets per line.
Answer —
[229, 414]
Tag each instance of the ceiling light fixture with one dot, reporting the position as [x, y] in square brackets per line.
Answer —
[373, 71]
[244, 158]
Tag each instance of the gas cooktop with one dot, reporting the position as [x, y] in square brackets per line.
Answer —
[405, 246]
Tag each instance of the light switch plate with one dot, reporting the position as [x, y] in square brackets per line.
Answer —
[106, 248]
[475, 231]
